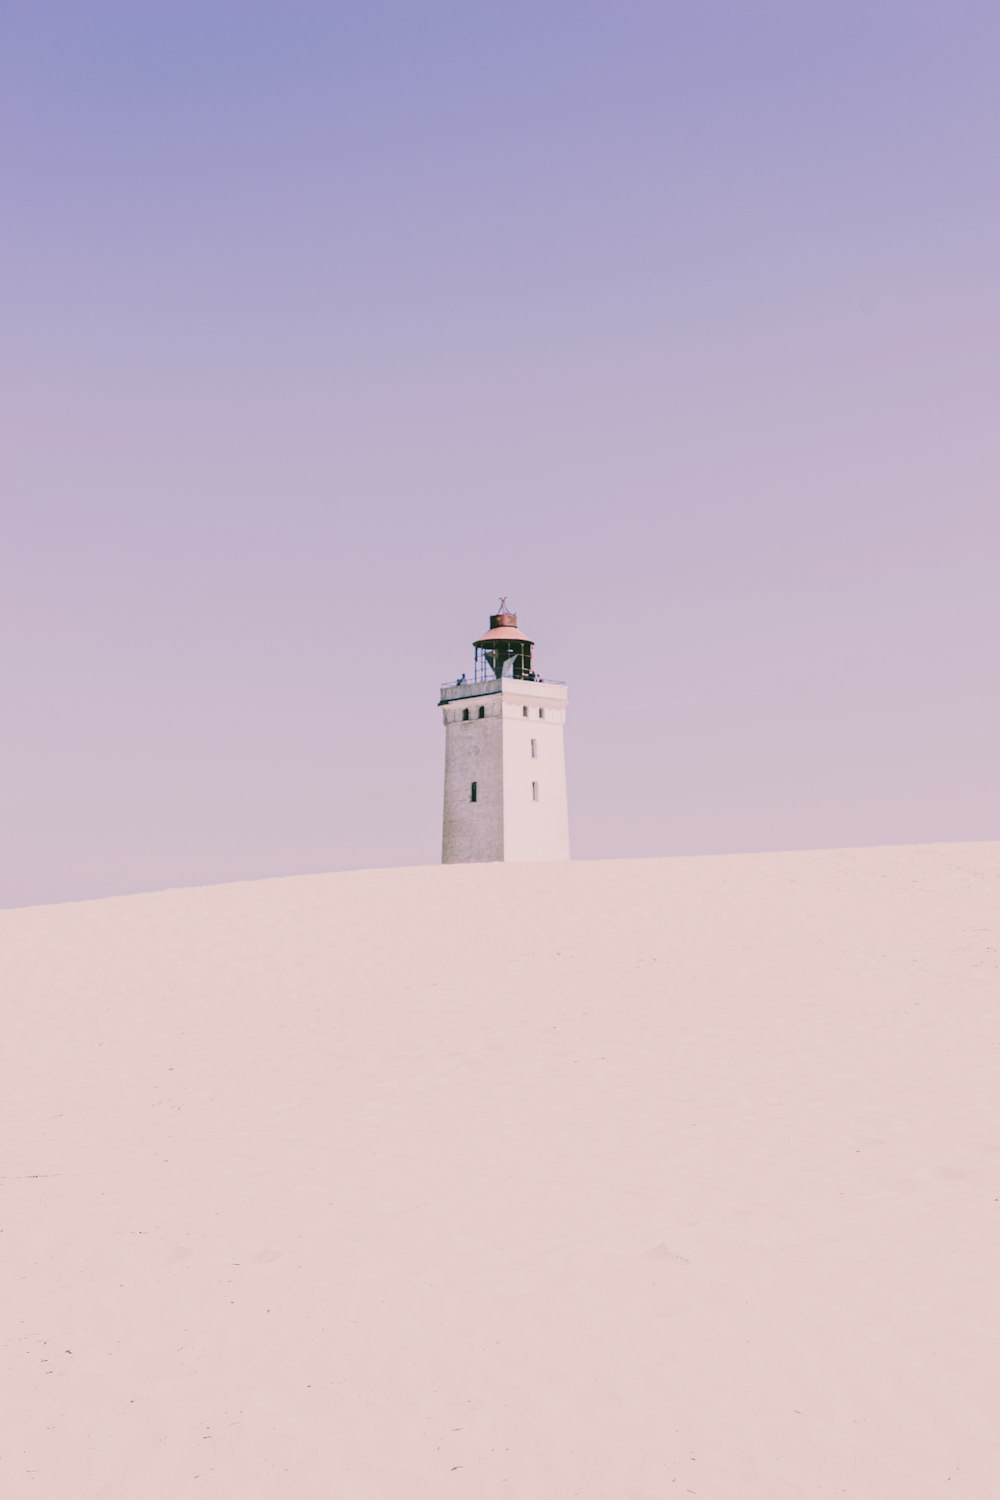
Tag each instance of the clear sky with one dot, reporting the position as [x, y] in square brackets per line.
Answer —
[325, 324]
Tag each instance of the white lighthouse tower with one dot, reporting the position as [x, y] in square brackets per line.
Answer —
[505, 768]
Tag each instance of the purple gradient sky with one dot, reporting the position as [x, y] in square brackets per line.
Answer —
[325, 324]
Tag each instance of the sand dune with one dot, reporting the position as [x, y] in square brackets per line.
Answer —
[622, 1180]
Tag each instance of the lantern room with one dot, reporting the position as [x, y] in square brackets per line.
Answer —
[504, 651]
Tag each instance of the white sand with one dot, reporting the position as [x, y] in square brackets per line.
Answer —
[623, 1180]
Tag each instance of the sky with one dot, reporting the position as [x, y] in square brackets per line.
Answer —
[324, 325]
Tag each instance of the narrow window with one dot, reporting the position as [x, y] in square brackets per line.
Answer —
[482, 713]
[534, 749]
[534, 791]
[474, 794]
[541, 713]
[465, 713]
[525, 710]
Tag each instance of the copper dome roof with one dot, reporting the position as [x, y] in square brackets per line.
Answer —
[503, 633]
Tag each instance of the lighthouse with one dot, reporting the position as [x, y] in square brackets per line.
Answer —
[505, 767]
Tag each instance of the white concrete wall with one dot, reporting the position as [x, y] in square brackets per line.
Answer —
[534, 830]
[505, 822]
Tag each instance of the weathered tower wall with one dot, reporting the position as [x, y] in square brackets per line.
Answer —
[473, 831]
